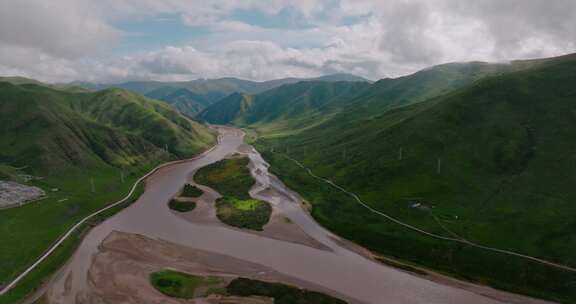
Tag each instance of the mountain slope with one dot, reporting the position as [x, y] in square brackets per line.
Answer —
[191, 97]
[51, 130]
[182, 99]
[228, 109]
[491, 162]
[290, 105]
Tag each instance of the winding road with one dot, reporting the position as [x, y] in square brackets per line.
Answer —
[433, 235]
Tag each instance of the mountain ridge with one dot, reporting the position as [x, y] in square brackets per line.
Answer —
[71, 129]
[191, 97]
[308, 100]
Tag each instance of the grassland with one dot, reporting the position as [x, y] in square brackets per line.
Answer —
[248, 214]
[341, 214]
[181, 206]
[232, 179]
[181, 285]
[229, 177]
[42, 272]
[55, 214]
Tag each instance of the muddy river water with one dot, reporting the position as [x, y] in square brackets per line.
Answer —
[335, 267]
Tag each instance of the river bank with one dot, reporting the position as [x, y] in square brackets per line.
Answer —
[336, 268]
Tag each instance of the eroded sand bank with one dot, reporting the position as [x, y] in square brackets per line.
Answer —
[120, 270]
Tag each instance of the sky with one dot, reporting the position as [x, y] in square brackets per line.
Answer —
[120, 40]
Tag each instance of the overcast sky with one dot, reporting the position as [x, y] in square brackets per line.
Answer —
[117, 40]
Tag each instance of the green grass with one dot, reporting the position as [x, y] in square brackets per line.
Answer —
[229, 177]
[41, 274]
[181, 206]
[191, 191]
[281, 293]
[248, 214]
[55, 214]
[341, 214]
[43, 271]
[247, 205]
[232, 179]
[180, 285]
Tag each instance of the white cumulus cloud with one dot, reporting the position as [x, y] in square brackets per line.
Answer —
[75, 39]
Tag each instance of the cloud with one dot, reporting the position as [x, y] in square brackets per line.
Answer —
[75, 39]
[59, 28]
[433, 31]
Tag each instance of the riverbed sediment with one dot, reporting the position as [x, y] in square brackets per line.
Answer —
[337, 267]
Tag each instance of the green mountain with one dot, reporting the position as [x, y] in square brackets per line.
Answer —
[488, 157]
[191, 97]
[183, 100]
[289, 106]
[53, 130]
[226, 85]
[17, 80]
[228, 109]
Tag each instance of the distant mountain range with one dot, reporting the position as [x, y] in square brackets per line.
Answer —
[190, 97]
[294, 106]
[290, 105]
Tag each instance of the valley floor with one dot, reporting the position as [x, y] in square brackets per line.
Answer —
[148, 236]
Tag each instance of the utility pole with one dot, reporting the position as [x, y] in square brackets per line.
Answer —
[438, 166]
[400, 154]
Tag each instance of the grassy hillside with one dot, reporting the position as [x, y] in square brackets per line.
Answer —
[228, 109]
[183, 100]
[190, 97]
[51, 131]
[289, 106]
[491, 162]
[85, 150]
[294, 101]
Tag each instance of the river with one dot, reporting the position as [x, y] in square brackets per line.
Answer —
[338, 268]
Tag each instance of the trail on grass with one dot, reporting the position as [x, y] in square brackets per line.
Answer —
[430, 234]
